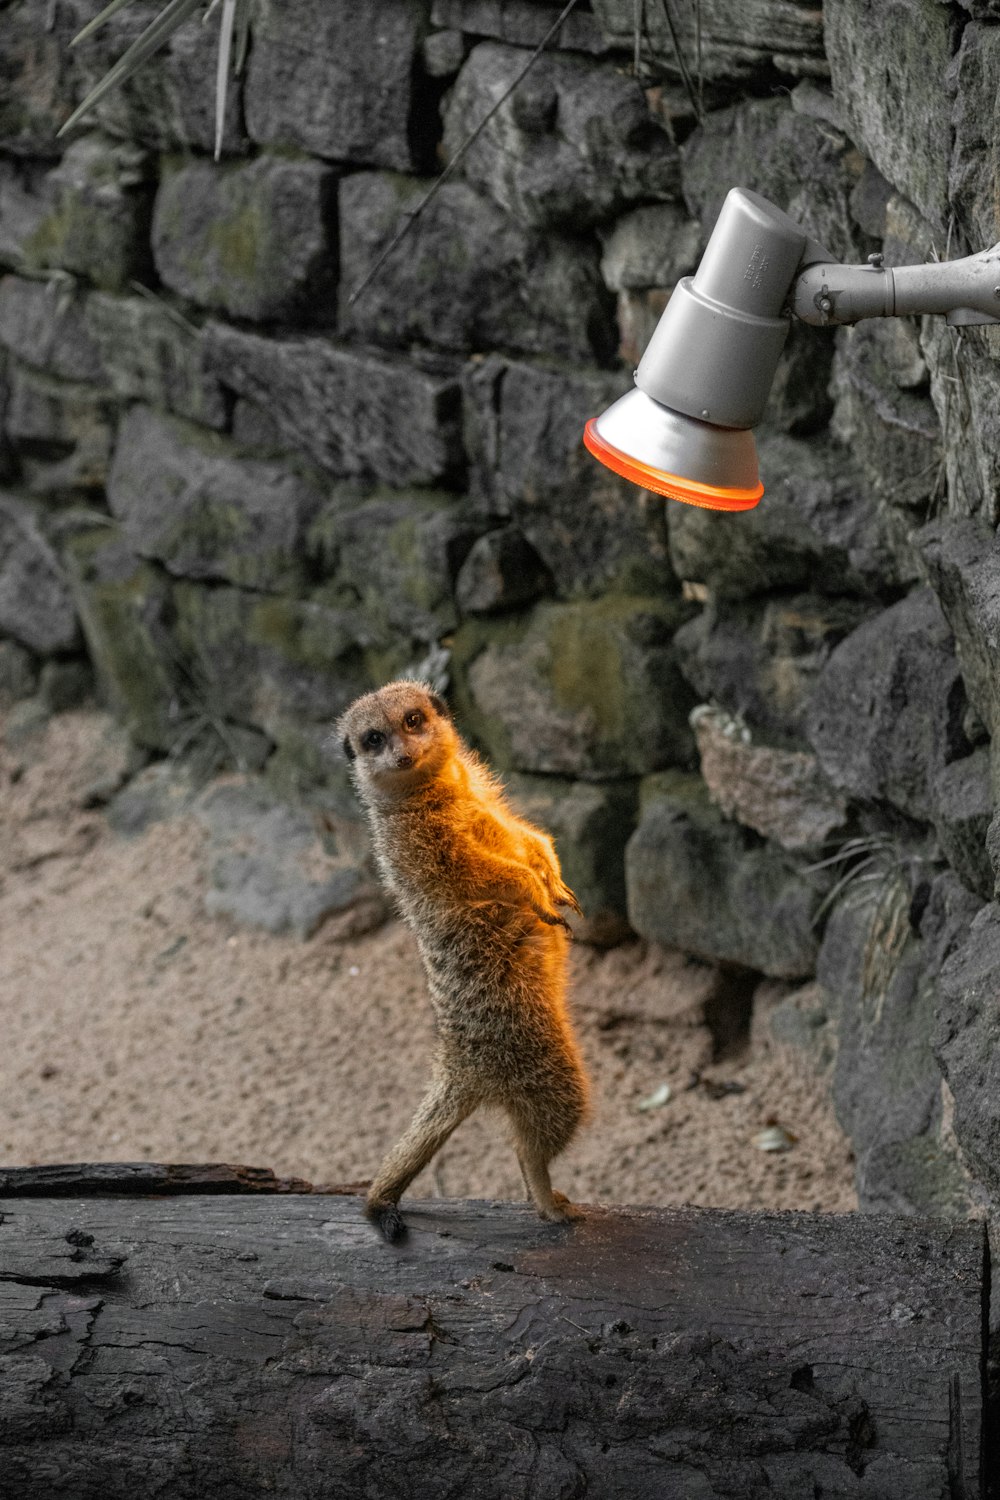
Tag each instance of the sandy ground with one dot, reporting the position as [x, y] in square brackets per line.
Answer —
[136, 1027]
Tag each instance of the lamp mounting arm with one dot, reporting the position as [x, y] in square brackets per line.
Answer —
[964, 291]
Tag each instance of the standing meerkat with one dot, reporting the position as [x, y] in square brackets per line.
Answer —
[479, 886]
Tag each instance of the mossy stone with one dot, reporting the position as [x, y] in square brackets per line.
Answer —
[587, 689]
[125, 610]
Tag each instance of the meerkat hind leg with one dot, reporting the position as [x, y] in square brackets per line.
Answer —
[439, 1113]
[550, 1205]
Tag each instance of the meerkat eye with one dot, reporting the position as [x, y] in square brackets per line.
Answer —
[413, 719]
[373, 740]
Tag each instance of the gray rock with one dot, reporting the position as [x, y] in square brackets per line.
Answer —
[794, 1017]
[26, 722]
[47, 328]
[149, 353]
[800, 402]
[803, 165]
[63, 433]
[588, 690]
[170, 102]
[637, 315]
[94, 214]
[591, 826]
[870, 200]
[501, 572]
[443, 53]
[354, 412]
[18, 676]
[22, 209]
[156, 794]
[524, 23]
[780, 794]
[817, 527]
[391, 561]
[257, 241]
[889, 63]
[37, 68]
[64, 685]
[883, 417]
[109, 764]
[573, 144]
[187, 499]
[285, 666]
[267, 867]
[254, 427]
[593, 531]
[963, 560]
[909, 238]
[877, 977]
[125, 610]
[760, 660]
[887, 711]
[698, 882]
[965, 1043]
[494, 284]
[36, 605]
[738, 37]
[993, 851]
[965, 388]
[652, 246]
[975, 158]
[336, 78]
[816, 102]
[962, 807]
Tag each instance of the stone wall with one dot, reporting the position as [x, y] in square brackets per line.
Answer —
[242, 498]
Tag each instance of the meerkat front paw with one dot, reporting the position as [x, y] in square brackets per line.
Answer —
[562, 1211]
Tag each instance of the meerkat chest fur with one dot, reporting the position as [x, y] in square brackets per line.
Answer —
[478, 884]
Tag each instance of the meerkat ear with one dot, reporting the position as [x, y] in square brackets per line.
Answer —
[347, 747]
[439, 705]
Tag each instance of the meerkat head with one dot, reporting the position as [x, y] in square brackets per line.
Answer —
[396, 738]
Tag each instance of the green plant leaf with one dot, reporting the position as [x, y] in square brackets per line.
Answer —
[156, 33]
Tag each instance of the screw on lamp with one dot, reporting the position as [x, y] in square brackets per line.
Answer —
[715, 350]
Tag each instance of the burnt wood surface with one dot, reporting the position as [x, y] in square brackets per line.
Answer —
[237, 1342]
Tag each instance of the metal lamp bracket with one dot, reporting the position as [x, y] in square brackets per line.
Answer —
[965, 291]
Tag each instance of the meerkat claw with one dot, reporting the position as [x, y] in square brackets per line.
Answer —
[551, 918]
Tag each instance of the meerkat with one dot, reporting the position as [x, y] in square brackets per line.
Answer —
[480, 888]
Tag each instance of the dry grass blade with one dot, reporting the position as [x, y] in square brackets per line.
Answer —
[469, 141]
[156, 33]
[222, 70]
[99, 20]
[242, 35]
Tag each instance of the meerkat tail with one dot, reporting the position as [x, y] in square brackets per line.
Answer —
[388, 1219]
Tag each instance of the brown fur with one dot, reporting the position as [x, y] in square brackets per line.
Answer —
[480, 887]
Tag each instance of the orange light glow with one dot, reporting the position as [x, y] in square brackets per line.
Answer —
[688, 490]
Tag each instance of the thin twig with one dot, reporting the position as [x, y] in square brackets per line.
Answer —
[637, 9]
[411, 216]
[698, 56]
[681, 62]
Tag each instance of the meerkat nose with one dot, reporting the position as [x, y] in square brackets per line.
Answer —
[404, 762]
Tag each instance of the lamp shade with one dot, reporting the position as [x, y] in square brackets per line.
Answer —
[671, 454]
